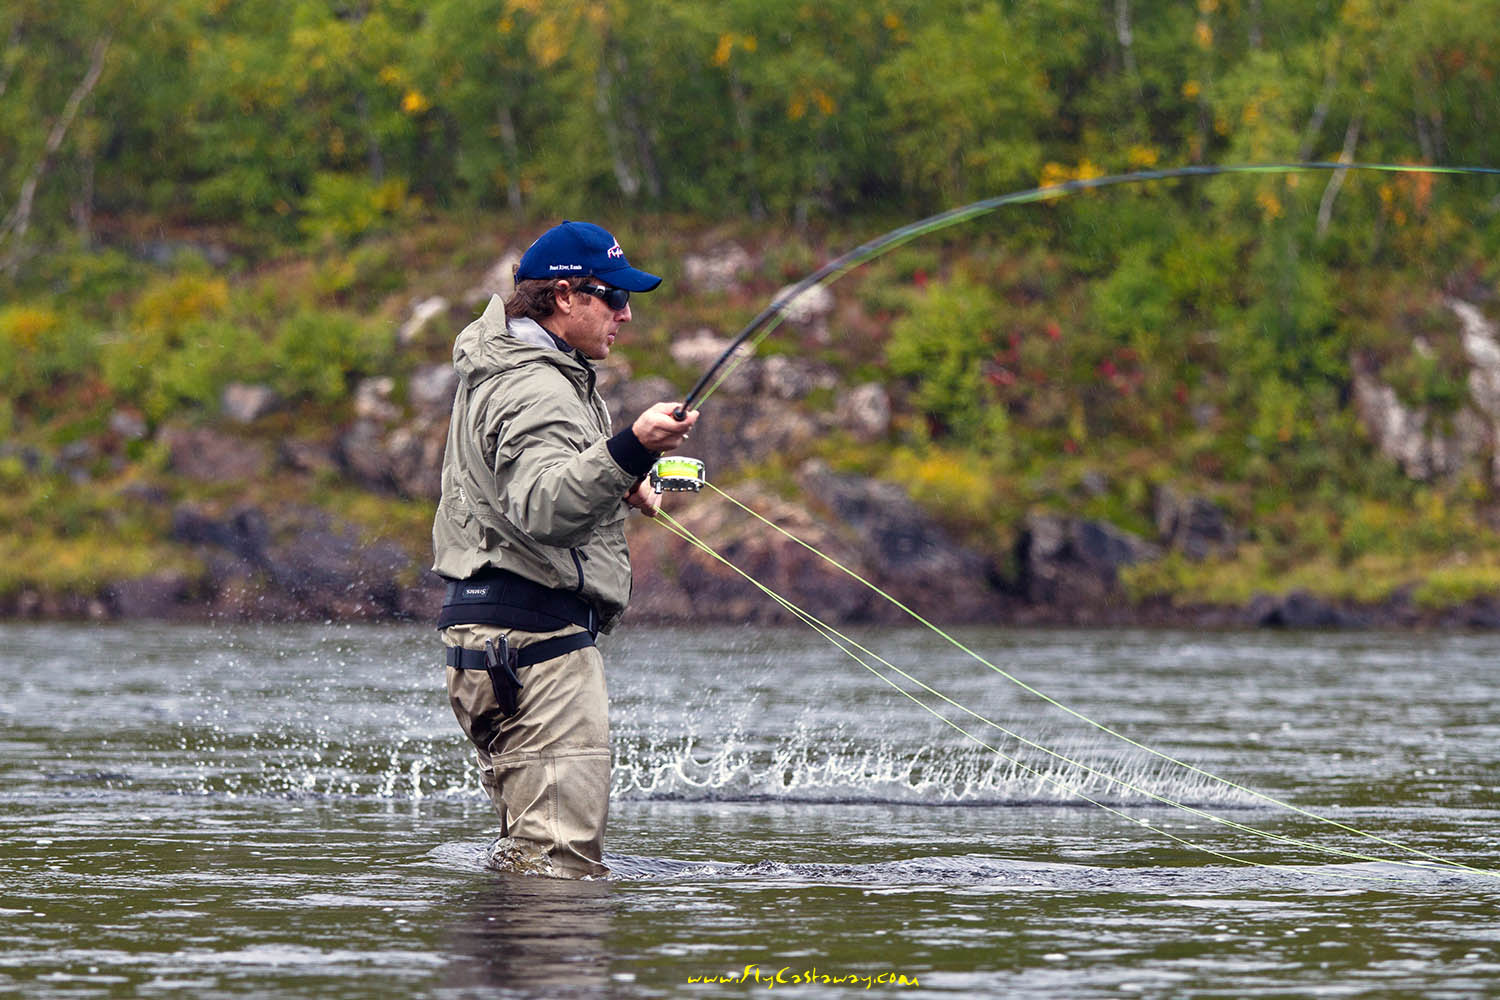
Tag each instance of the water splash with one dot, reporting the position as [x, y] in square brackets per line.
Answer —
[812, 767]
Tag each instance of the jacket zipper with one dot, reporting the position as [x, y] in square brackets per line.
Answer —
[579, 558]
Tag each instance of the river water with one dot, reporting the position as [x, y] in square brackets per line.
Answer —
[291, 811]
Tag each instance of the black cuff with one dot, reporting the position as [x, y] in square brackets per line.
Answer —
[629, 454]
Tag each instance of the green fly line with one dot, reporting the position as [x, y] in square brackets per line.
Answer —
[848, 647]
[771, 317]
[1101, 727]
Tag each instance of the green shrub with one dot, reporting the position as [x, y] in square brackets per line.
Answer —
[340, 208]
[38, 348]
[944, 347]
[315, 353]
[1454, 585]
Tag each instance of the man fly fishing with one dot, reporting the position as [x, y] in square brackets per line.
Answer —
[529, 532]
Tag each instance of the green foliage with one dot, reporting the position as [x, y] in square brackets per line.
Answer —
[179, 349]
[1199, 330]
[944, 346]
[340, 208]
[315, 354]
[38, 348]
[956, 132]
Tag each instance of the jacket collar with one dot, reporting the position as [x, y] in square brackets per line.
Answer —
[529, 331]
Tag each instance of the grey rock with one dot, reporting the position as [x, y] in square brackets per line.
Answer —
[698, 350]
[810, 310]
[244, 403]
[211, 456]
[372, 399]
[302, 455]
[415, 457]
[128, 424]
[298, 563]
[421, 314]
[1194, 526]
[431, 387]
[498, 280]
[1073, 561]
[361, 452]
[791, 379]
[159, 596]
[717, 270]
[1300, 610]
[866, 412]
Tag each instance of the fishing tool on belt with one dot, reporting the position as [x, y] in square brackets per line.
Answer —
[499, 663]
[674, 474]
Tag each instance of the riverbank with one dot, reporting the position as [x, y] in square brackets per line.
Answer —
[262, 443]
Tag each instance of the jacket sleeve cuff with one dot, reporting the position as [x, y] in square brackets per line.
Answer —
[629, 454]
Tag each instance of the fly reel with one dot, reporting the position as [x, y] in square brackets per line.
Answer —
[678, 475]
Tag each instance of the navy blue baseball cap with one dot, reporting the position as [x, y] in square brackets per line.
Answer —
[574, 249]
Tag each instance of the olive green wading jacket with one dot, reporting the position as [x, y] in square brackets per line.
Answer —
[528, 483]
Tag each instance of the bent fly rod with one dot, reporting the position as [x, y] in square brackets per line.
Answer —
[770, 317]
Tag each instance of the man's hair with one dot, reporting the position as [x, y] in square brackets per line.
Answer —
[536, 298]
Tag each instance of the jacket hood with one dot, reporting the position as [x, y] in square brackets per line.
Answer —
[491, 344]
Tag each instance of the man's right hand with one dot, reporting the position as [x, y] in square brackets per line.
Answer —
[659, 431]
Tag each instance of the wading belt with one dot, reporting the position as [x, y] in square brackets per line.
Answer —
[501, 662]
[499, 597]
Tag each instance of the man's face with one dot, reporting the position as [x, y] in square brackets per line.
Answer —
[590, 325]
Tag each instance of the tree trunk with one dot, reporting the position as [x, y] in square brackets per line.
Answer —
[744, 135]
[83, 203]
[19, 221]
[6, 72]
[1125, 36]
[375, 157]
[1325, 207]
[630, 116]
[629, 183]
[507, 123]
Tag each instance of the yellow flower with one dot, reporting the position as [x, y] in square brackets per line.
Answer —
[414, 103]
[1054, 174]
[724, 49]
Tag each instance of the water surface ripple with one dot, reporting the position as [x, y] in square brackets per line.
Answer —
[289, 811]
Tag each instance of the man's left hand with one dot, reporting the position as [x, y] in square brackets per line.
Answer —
[644, 497]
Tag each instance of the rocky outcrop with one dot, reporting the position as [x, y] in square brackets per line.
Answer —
[1406, 435]
[871, 528]
[244, 403]
[1074, 564]
[718, 270]
[1301, 610]
[1403, 433]
[1195, 526]
[291, 564]
[211, 456]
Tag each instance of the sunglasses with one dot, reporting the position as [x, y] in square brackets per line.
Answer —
[615, 298]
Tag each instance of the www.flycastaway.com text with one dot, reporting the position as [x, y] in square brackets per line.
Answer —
[752, 975]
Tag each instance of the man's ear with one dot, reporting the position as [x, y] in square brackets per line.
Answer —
[562, 298]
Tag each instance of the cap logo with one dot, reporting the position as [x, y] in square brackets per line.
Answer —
[615, 251]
